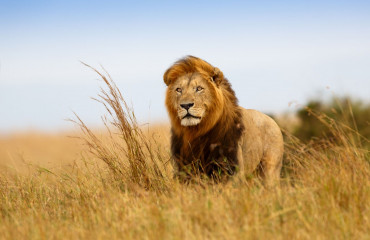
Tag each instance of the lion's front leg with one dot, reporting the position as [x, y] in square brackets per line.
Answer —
[181, 172]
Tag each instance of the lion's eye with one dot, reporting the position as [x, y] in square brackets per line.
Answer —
[199, 88]
[179, 90]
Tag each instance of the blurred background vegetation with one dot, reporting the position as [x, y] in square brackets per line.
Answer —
[318, 118]
[317, 115]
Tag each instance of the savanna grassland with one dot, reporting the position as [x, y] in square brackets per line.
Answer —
[116, 183]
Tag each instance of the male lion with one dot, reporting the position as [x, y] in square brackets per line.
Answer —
[211, 134]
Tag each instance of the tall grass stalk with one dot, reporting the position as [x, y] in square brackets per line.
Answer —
[135, 158]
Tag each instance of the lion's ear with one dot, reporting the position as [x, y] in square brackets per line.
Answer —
[218, 76]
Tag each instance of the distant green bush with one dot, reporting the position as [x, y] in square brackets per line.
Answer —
[317, 116]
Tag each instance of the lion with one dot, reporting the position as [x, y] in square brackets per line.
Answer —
[210, 133]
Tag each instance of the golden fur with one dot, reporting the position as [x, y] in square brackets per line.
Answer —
[211, 134]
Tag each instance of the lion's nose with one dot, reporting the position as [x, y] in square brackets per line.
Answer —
[187, 105]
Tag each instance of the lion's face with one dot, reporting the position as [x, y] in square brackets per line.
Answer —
[190, 98]
[195, 97]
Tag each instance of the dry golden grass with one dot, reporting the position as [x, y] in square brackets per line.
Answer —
[53, 151]
[121, 188]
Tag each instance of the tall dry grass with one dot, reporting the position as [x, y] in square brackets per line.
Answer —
[134, 158]
[123, 189]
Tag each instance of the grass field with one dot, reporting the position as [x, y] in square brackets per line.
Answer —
[116, 184]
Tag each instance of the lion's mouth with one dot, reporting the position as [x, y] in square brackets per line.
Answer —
[188, 115]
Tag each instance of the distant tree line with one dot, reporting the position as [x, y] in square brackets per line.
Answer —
[317, 118]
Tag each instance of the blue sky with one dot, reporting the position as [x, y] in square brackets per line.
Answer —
[273, 52]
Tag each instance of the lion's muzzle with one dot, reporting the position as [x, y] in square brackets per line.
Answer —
[189, 115]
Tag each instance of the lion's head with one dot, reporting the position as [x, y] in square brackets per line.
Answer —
[196, 95]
